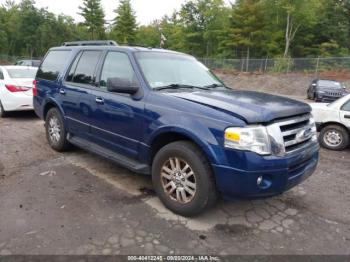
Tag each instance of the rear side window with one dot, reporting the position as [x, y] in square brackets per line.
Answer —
[53, 64]
[1, 75]
[84, 67]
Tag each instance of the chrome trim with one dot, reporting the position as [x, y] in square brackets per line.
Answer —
[303, 135]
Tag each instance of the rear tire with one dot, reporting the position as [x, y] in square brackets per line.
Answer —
[55, 131]
[2, 111]
[183, 179]
[334, 137]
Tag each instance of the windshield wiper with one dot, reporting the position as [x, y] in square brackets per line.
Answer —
[178, 86]
[214, 86]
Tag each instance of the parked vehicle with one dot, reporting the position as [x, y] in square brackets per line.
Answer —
[15, 88]
[322, 90]
[163, 113]
[333, 123]
[32, 63]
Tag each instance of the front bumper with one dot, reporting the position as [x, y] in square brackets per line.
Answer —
[327, 98]
[279, 174]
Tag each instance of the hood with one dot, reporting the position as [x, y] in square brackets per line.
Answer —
[252, 107]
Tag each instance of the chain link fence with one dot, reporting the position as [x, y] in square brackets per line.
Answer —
[10, 60]
[279, 65]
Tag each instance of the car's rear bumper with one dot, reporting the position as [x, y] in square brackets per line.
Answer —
[18, 103]
[236, 183]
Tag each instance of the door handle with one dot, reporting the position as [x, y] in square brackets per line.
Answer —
[347, 116]
[62, 91]
[99, 100]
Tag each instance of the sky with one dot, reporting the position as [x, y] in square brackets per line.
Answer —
[146, 10]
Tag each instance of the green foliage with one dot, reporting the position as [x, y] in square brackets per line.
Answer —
[203, 28]
[94, 18]
[124, 30]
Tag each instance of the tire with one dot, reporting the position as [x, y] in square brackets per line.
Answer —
[334, 137]
[204, 194]
[56, 133]
[2, 111]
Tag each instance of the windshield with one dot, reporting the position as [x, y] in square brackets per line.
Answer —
[22, 73]
[329, 84]
[163, 69]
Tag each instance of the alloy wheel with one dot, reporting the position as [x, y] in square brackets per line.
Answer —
[178, 180]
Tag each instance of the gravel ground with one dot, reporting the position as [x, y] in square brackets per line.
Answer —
[78, 203]
[294, 85]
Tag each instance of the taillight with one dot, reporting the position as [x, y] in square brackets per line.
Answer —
[35, 89]
[14, 89]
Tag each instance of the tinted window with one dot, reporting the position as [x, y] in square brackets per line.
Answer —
[22, 73]
[346, 106]
[1, 75]
[83, 69]
[117, 65]
[53, 65]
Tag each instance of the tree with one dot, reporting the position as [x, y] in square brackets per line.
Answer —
[124, 30]
[246, 30]
[94, 18]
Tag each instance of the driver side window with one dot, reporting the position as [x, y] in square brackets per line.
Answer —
[117, 65]
[346, 106]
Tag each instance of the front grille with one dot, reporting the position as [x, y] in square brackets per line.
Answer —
[296, 132]
[334, 94]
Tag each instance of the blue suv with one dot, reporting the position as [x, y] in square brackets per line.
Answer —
[164, 114]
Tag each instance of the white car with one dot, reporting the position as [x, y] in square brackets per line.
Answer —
[16, 88]
[333, 123]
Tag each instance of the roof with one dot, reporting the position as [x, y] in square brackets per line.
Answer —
[130, 49]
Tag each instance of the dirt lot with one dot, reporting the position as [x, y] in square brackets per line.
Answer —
[78, 203]
[294, 85]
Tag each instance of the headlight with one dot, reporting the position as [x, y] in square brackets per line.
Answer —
[254, 138]
[313, 129]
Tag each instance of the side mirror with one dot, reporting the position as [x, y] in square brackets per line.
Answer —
[121, 85]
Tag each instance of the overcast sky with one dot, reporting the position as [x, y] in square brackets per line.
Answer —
[146, 10]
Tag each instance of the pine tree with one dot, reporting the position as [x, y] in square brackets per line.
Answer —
[124, 30]
[94, 18]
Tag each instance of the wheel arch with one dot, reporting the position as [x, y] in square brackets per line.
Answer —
[166, 137]
[51, 104]
[332, 123]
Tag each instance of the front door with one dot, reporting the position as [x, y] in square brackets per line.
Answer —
[118, 119]
[345, 114]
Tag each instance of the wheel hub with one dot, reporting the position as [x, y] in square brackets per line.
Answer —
[54, 130]
[178, 180]
[333, 138]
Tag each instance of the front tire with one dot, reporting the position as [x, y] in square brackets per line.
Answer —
[55, 130]
[334, 137]
[2, 111]
[183, 179]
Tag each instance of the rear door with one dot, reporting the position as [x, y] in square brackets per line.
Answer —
[76, 92]
[345, 114]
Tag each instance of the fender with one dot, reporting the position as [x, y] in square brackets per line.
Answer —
[200, 135]
[51, 100]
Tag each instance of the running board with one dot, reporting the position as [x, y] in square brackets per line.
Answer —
[126, 162]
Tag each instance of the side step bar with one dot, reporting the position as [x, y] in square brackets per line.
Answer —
[126, 162]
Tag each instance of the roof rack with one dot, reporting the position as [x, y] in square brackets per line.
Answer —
[91, 43]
